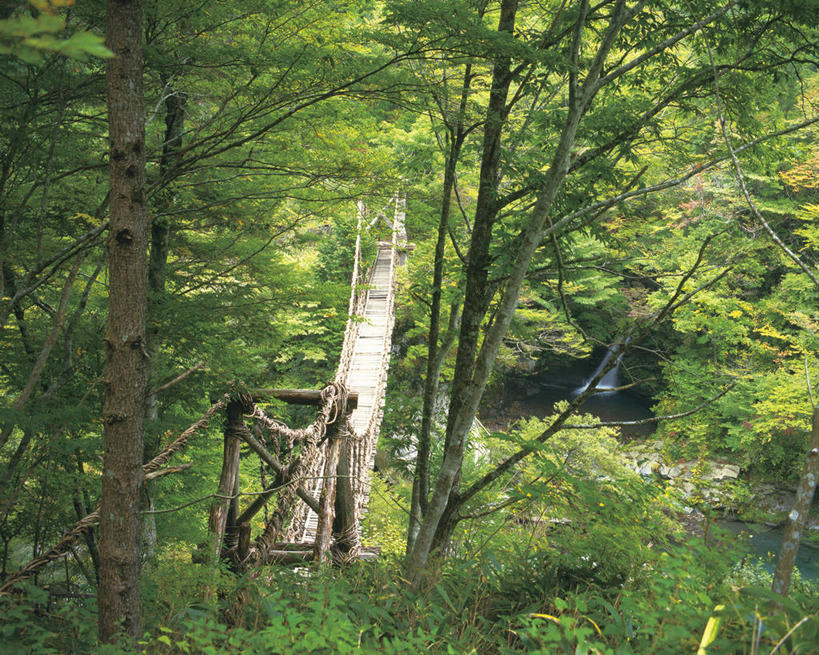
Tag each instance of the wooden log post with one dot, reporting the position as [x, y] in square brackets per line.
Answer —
[283, 477]
[299, 396]
[232, 524]
[260, 501]
[217, 522]
[345, 525]
[328, 492]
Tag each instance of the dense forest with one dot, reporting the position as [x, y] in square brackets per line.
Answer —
[601, 223]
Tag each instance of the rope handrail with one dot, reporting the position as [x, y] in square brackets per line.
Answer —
[363, 442]
[351, 328]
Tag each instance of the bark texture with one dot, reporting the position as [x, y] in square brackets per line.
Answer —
[797, 519]
[324, 531]
[474, 300]
[220, 510]
[435, 355]
[126, 368]
[345, 524]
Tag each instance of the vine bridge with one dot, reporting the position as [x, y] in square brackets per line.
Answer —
[321, 477]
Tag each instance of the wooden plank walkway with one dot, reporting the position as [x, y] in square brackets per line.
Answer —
[367, 376]
[366, 367]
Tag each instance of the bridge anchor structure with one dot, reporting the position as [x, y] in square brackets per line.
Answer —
[321, 473]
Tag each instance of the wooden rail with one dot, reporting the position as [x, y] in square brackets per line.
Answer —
[299, 396]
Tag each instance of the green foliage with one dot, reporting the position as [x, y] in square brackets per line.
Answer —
[750, 320]
[385, 523]
[31, 37]
[35, 623]
[290, 111]
[480, 604]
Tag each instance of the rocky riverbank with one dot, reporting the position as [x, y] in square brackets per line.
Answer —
[717, 484]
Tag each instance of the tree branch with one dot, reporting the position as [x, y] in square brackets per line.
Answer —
[177, 379]
[652, 419]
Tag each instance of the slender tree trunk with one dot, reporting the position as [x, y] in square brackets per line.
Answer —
[445, 500]
[81, 510]
[39, 365]
[476, 282]
[126, 368]
[420, 485]
[160, 228]
[798, 517]
[36, 374]
[157, 273]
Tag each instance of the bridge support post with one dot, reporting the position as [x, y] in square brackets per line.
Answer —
[228, 481]
[244, 540]
[345, 526]
[328, 492]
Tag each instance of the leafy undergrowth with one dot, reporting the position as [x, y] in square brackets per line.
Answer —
[540, 601]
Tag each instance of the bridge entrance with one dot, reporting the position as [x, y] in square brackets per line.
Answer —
[321, 473]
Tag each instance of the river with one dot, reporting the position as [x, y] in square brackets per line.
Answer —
[538, 400]
[526, 398]
[759, 541]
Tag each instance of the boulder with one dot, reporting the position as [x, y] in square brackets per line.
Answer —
[686, 488]
[716, 472]
[679, 471]
[647, 468]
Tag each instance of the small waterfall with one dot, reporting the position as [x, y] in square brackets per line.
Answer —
[610, 380]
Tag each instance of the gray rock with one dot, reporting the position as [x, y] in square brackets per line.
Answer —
[678, 471]
[686, 488]
[647, 468]
[768, 497]
[716, 472]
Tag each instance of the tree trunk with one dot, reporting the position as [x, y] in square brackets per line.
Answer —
[125, 371]
[420, 484]
[475, 297]
[799, 514]
[160, 230]
[221, 507]
[157, 272]
[442, 539]
[472, 373]
[82, 507]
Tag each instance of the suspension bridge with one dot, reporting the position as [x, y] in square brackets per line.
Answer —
[321, 473]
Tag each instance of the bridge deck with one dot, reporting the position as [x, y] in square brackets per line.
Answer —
[374, 338]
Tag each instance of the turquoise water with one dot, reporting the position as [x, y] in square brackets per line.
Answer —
[759, 541]
[620, 406]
